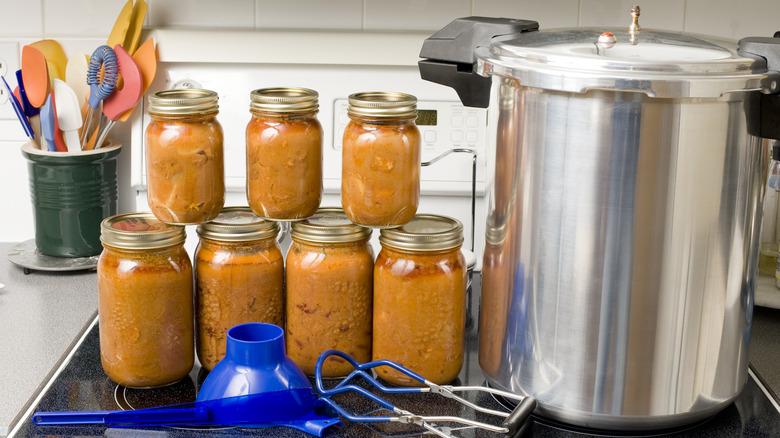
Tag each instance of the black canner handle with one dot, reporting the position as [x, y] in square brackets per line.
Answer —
[449, 54]
[764, 112]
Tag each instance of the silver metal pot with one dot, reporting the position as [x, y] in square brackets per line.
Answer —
[624, 215]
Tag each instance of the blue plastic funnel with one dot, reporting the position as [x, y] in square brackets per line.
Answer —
[256, 385]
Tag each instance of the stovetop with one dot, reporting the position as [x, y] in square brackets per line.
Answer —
[81, 385]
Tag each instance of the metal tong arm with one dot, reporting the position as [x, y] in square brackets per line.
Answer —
[361, 370]
[511, 425]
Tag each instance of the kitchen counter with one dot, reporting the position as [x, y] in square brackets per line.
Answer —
[41, 315]
[46, 313]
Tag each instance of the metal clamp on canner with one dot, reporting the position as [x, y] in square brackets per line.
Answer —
[764, 118]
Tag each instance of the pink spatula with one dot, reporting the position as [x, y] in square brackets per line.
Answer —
[121, 100]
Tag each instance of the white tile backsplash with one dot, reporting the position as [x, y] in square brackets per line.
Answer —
[549, 13]
[429, 15]
[657, 14]
[310, 14]
[80, 18]
[202, 13]
[22, 18]
[731, 19]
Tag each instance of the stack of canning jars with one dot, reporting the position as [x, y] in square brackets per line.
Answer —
[157, 313]
[145, 276]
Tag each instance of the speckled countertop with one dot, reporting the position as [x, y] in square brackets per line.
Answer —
[43, 314]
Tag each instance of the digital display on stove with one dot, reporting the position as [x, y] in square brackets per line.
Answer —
[426, 117]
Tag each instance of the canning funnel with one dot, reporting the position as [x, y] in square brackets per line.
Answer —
[256, 385]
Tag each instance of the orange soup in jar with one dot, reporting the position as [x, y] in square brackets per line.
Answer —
[380, 174]
[144, 302]
[239, 278]
[284, 153]
[184, 157]
[420, 300]
[329, 292]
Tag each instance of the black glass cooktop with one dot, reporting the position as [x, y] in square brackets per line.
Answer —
[83, 386]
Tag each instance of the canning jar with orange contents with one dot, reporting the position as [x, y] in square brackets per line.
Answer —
[420, 300]
[284, 153]
[329, 275]
[184, 157]
[380, 175]
[144, 302]
[239, 278]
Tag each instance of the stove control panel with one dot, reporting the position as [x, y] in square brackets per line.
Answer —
[443, 125]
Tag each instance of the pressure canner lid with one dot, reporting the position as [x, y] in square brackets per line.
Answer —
[658, 63]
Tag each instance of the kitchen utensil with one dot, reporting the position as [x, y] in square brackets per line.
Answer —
[256, 385]
[146, 58]
[35, 75]
[118, 32]
[133, 35]
[58, 139]
[18, 110]
[48, 124]
[624, 213]
[76, 76]
[68, 114]
[121, 100]
[28, 109]
[103, 57]
[512, 425]
[56, 61]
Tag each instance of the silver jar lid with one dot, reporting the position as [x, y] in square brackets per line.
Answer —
[238, 224]
[284, 100]
[425, 232]
[139, 231]
[183, 102]
[329, 225]
[382, 104]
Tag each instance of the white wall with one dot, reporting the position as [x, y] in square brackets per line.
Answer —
[81, 25]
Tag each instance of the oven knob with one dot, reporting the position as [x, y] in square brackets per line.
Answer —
[185, 84]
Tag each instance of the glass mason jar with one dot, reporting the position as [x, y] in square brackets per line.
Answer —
[184, 157]
[144, 302]
[239, 278]
[420, 300]
[380, 175]
[329, 276]
[284, 153]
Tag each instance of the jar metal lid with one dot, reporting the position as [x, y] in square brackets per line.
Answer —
[284, 100]
[183, 102]
[139, 231]
[425, 232]
[329, 225]
[238, 224]
[382, 104]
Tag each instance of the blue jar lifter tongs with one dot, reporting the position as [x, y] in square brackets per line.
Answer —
[513, 425]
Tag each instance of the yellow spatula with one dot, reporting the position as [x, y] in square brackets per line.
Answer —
[133, 36]
[118, 33]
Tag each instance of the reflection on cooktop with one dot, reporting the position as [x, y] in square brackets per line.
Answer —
[83, 386]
